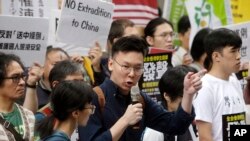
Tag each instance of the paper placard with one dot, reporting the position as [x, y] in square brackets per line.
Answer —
[25, 37]
[83, 22]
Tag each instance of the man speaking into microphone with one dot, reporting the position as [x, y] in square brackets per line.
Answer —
[115, 121]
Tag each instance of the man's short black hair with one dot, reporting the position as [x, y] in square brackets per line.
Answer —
[217, 40]
[183, 24]
[130, 43]
[197, 48]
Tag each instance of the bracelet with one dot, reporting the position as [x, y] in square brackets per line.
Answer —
[30, 86]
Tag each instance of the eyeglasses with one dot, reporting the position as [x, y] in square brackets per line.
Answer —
[16, 79]
[166, 34]
[92, 107]
[127, 69]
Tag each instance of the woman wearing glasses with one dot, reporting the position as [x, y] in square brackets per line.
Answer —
[71, 104]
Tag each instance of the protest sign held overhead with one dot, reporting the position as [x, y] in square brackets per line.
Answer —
[24, 36]
[83, 22]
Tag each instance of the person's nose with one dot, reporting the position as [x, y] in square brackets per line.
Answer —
[132, 72]
[22, 81]
[238, 56]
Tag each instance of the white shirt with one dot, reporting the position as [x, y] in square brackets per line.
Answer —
[220, 103]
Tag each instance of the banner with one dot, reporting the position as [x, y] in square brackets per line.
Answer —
[240, 10]
[208, 13]
[83, 22]
[174, 10]
[24, 36]
[138, 11]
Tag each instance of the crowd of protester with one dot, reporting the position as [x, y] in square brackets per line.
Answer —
[61, 98]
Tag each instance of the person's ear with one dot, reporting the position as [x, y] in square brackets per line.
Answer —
[115, 39]
[75, 114]
[110, 64]
[166, 97]
[54, 83]
[150, 40]
[216, 56]
[181, 36]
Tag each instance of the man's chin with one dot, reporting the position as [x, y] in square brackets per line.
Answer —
[125, 89]
[18, 96]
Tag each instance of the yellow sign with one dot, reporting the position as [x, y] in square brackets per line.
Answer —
[240, 10]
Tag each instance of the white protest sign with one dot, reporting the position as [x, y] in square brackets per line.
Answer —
[24, 36]
[29, 8]
[53, 23]
[243, 30]
[83, 22]
[69, 48]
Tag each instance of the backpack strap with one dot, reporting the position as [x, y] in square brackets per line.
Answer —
[25, 122]
[101, 97]
[10, 127]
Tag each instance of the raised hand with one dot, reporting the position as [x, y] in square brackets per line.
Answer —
[35, 74]
[76, 58]
[192, 82]
[95, 54]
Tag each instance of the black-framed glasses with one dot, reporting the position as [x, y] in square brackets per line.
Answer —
[92, 107]
[16, 78]
[127, 69]
[166, 34]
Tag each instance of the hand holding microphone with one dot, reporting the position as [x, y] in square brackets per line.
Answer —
[135, 96]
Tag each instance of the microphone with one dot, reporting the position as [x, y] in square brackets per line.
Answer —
[135, 96]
